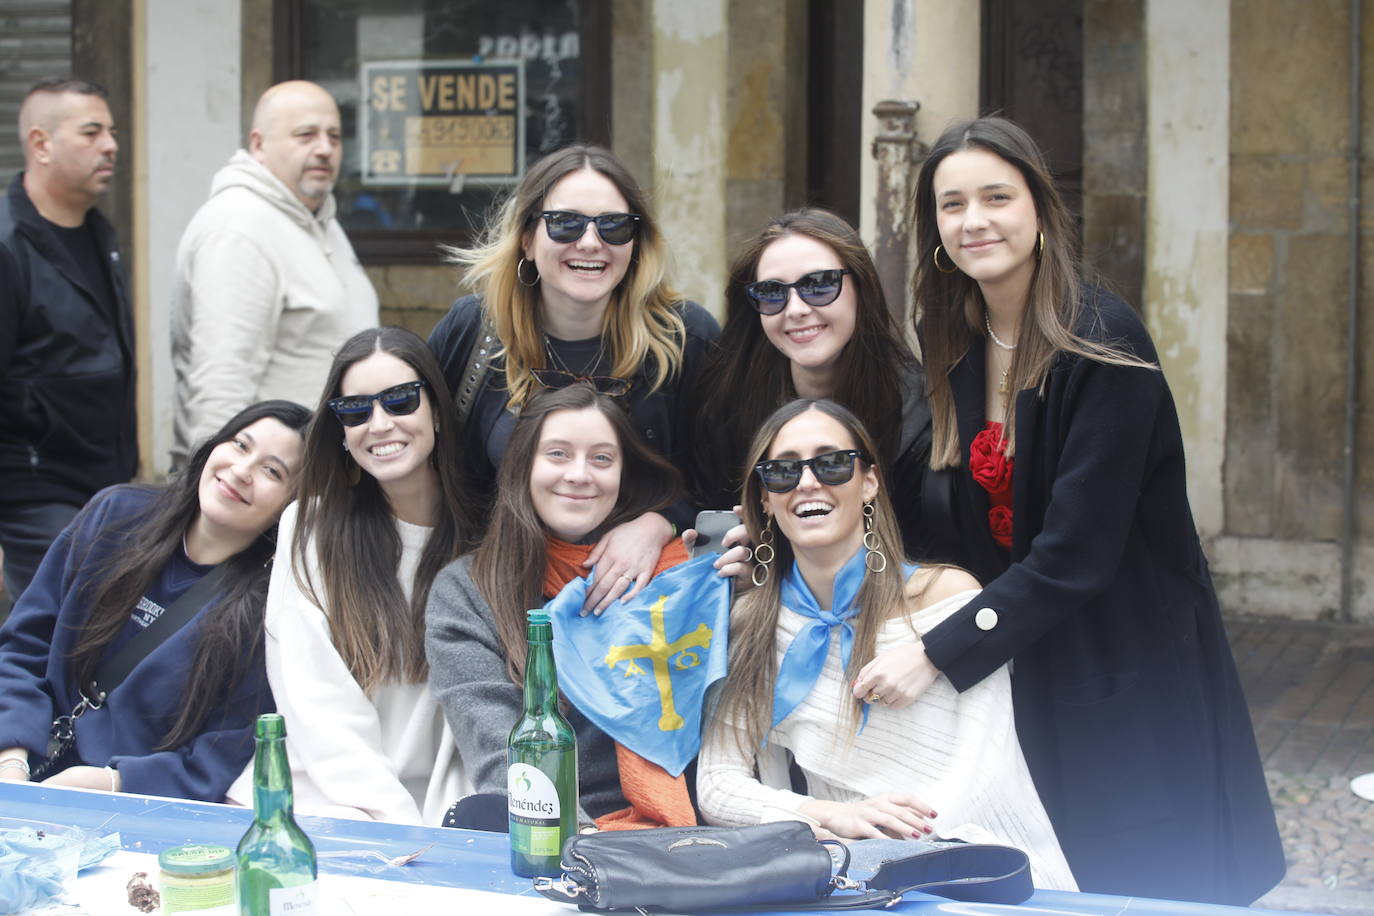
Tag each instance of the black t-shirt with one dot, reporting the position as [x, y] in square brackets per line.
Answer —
[81, 244]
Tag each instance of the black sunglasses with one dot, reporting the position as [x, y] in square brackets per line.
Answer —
[398, 400]
[565, 226]
[820, 287]
[782, 475]
[604, 384]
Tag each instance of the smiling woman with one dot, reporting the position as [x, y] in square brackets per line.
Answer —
[375, 521]
[806, 316]
[574, 470]
[834, 595]
[177, 577]
[573, 285]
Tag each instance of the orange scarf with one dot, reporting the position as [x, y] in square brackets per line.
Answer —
[656, 798]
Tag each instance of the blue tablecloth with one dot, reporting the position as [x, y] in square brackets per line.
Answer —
[459, 858]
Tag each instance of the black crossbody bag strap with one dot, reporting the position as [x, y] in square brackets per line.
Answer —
[476, 367]
[116, 668]
[113, 670]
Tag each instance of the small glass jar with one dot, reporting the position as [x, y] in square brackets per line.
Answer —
[198, 879]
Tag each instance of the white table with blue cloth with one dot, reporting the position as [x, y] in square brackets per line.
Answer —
[360, 870]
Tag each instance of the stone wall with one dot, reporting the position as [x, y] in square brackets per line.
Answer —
[1288, 300]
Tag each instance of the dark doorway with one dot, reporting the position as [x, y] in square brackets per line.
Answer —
[834, 106]
[1033, 74]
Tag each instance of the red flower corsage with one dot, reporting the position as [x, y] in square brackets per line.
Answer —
[988, 461]
[992, 469]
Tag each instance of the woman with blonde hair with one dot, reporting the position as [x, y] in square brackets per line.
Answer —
[381, 510]
[835, 592]
[1056, 430]
[572, 285]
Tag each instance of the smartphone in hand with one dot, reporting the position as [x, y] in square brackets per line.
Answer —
[711, 527]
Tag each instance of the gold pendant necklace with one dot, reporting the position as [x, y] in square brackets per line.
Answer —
[1002, 386]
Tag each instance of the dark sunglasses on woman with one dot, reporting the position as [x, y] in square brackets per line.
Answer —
[604, 384]
[565, 226]
[820, 287]
[782, 475]
[398, 400]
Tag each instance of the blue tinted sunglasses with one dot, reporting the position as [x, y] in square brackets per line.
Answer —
[398, 400]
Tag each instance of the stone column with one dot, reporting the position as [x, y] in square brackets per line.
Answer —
[689, 72]
[896, 150]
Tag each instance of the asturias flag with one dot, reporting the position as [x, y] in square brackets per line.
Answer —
[640, 670]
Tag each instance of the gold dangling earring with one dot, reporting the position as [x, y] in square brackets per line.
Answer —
[763, 555]
[873, 545]
[1039, 244]
[953, 268]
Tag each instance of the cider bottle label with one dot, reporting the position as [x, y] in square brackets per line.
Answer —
[293, 901]
[535, 815]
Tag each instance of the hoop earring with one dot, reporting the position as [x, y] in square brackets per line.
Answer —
[1039, 244]
[520, 275]
[872, 544]
[936, 258]
[763, 555]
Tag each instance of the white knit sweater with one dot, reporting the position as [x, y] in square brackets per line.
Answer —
[389, 756]
[957, 752]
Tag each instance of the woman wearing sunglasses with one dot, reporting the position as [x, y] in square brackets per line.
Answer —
[155, 594]
[835, 591]
[1056, 426]
[572, 285]
[806, 316]
[380, 512]
[574, 470]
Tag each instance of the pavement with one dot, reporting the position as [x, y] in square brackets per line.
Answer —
[1310, 686]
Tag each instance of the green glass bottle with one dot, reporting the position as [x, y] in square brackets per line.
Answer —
[541, 764]
[276, 859]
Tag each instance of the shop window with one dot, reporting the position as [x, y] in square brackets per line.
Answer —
[444, 104]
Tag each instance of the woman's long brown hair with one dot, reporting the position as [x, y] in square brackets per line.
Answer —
[352, 533]
[758, 376]
[949, 307]
[746, 700]
[508, 566]
[231, 637]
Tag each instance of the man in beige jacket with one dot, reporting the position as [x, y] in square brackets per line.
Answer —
[267, 284]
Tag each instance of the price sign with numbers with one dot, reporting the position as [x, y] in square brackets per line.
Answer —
[442, 122]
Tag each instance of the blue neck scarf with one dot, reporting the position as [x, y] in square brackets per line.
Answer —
[805, 657]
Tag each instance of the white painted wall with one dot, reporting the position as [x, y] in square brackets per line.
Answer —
[189, 128]
[1187, 216]
[689, 72]
[925, 51]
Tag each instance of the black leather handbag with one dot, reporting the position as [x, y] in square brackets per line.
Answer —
[766, 867]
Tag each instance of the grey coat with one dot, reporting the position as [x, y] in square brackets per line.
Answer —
[467, 674]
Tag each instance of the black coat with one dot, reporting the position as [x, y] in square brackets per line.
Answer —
[1128, 704]
[67, 405]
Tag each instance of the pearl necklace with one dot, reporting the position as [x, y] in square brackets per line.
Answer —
[987, 323]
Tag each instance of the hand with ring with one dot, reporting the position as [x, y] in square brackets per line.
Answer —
[625, 559]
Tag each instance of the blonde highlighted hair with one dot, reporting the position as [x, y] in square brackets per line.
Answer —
[641, 325]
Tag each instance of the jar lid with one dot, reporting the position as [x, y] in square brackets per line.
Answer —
[195, 859]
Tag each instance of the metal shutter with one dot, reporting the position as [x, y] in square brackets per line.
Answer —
[35, 43]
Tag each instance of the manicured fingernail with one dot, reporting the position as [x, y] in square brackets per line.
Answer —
[916, 834]
[928, 829]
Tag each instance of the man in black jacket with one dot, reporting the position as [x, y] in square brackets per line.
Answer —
[67, 424]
